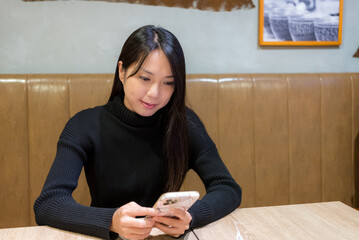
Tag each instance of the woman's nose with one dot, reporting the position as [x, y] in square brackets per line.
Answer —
[153, 91]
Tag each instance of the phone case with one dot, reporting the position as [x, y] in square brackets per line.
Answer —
[181, 200]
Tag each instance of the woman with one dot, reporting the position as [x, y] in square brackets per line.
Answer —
[134, 148]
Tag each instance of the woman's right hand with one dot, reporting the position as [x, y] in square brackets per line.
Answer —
[125, 223]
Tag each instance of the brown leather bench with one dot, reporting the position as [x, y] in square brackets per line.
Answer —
[286, 138]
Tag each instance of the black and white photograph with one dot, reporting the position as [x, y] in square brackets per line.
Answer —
[300, 22]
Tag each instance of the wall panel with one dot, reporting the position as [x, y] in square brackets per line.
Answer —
[236, 133]
[89, 90]
[14, 186]
[271, 139]
[337, 165]
[305, 138]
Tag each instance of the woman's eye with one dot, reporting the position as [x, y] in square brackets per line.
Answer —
[170, 83]
[144, 78]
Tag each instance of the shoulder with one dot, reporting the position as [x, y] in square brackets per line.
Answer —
[83, 122]
[89, 112]
[199, 139]
[194, 122]
[193, 119]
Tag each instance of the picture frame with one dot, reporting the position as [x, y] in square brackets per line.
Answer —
[300, 22]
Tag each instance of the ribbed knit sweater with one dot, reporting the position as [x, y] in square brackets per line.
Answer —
[121, 153]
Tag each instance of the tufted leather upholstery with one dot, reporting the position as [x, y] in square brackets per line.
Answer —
[286, 138]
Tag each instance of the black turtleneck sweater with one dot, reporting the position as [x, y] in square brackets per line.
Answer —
[121, 153]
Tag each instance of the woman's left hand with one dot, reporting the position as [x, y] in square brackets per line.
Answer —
[175, 225]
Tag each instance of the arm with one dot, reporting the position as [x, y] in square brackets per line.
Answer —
[223, 193]
[55, 206]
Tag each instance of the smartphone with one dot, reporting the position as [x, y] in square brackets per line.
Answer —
[181, 200]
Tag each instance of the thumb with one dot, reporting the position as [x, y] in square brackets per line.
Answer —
[136, 210]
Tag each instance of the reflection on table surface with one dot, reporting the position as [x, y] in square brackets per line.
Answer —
[327, 220]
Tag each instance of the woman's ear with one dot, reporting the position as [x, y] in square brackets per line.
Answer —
[121, 72]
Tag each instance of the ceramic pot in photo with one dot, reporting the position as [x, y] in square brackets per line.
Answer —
[280, 28]
[301, 29]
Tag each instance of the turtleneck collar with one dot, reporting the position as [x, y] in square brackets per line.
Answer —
[118, 108]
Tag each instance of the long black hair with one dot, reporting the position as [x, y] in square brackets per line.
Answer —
[135, 50]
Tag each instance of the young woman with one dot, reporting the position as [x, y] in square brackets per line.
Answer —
[134, 148]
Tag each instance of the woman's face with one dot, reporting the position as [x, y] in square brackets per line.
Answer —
[151, 88]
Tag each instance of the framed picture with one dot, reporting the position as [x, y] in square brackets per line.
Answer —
[300, 22]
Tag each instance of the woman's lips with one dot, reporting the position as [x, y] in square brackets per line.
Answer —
[148, 105]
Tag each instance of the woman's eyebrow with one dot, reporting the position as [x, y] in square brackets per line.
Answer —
[150, 73]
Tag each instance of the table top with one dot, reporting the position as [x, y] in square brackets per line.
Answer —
[46, 233]
[326, 220]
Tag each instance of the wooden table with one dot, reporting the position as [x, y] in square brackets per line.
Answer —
[327, 221]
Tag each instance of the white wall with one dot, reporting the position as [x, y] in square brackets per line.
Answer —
[87, 36]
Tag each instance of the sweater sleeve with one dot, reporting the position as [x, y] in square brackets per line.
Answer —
[223, 193]
[55, 206]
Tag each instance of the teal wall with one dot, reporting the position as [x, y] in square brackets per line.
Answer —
[86, 37]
